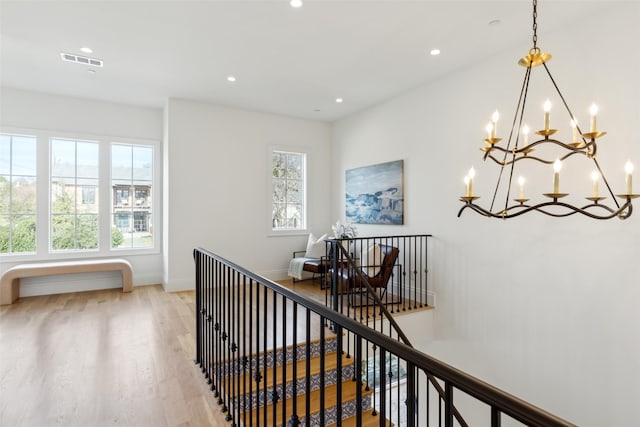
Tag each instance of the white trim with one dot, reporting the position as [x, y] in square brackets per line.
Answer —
[306, 220]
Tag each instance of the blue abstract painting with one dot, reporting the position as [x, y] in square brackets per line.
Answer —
[374, 194]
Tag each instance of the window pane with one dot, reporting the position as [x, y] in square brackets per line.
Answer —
[132, 172]
[63, 232]
[87, 236]
[17, 193]
[23, 195]
[288, 182]
[142, 163]
[4, 194]
[63, 158]
[121, 162]
[62, 198]
[5, 154]
[23, 233]
[279, 191]
[23, 156]
[87, 160]
[74, 194]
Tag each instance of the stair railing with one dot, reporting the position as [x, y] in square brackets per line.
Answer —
[247, 327]
[339, 254]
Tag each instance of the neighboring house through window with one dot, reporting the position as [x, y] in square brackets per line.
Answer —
[56, 181]
[132, 184]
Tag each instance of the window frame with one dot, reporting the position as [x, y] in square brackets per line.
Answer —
[132, 191]
[305, 185]
[43, 196]
[22, 134]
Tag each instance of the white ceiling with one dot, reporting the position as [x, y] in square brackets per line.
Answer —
[287, 61]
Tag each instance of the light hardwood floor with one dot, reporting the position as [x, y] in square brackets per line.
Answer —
[102, 358]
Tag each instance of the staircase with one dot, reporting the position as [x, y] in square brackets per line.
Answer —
[259, 392]
[246, 327]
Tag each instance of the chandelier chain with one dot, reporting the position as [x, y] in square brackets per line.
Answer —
[535, 24]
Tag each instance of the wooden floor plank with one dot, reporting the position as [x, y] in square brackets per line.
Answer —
[102, 358]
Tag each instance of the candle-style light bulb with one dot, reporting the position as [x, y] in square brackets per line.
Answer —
[593, 110]
[557, 166]
[466, 186]
[595, 176]
[494, 121]
[525, 132]
[574, 128]
[628, 168]
[547, 112]
[471, 175]
[489, 130]
[521, 181]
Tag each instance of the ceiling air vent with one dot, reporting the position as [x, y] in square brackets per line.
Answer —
[70, 57]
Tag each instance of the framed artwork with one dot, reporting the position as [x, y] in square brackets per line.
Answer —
[374, 194]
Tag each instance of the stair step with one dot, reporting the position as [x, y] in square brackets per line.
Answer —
[368, 420]
[348, 405]
[236, 367]
[330, 373]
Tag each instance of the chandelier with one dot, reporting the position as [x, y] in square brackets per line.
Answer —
[518, 150]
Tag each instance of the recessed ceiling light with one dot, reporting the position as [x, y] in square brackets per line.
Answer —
[231, 79]
[86, 50]
[91, 71]
[339, 100]
[494, 23]
[435, 52]
[296, 3]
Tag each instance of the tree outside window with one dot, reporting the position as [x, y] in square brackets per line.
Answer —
[288, 196]
[17, 194]
[74, 178]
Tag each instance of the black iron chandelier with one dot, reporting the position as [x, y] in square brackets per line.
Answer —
[517, 151]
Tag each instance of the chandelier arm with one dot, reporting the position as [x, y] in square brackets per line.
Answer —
[547, 162]
[604, 178]
[523, 90]
[564, 102]
[522, 209]
[584, 149]
[513, 127]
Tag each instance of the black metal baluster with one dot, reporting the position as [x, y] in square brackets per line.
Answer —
[495, 417]
[198, 261]
[382, 378]
[339, 376]
[225, 337]
[322, 372]
[249, 405]
[284, 360]
[411, 393]
[265, 302]
[307, 365]
[448, 402]
[295, 420]
[358, 375]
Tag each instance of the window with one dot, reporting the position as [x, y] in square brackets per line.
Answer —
[66, 195]
[17, 194]
[74, 174]
[132, 183]
[288, 196]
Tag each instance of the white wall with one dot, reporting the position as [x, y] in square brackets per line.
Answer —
[20, 109]
[545, 308]
[217, 187]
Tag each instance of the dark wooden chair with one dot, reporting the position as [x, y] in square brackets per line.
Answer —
[350, 281]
